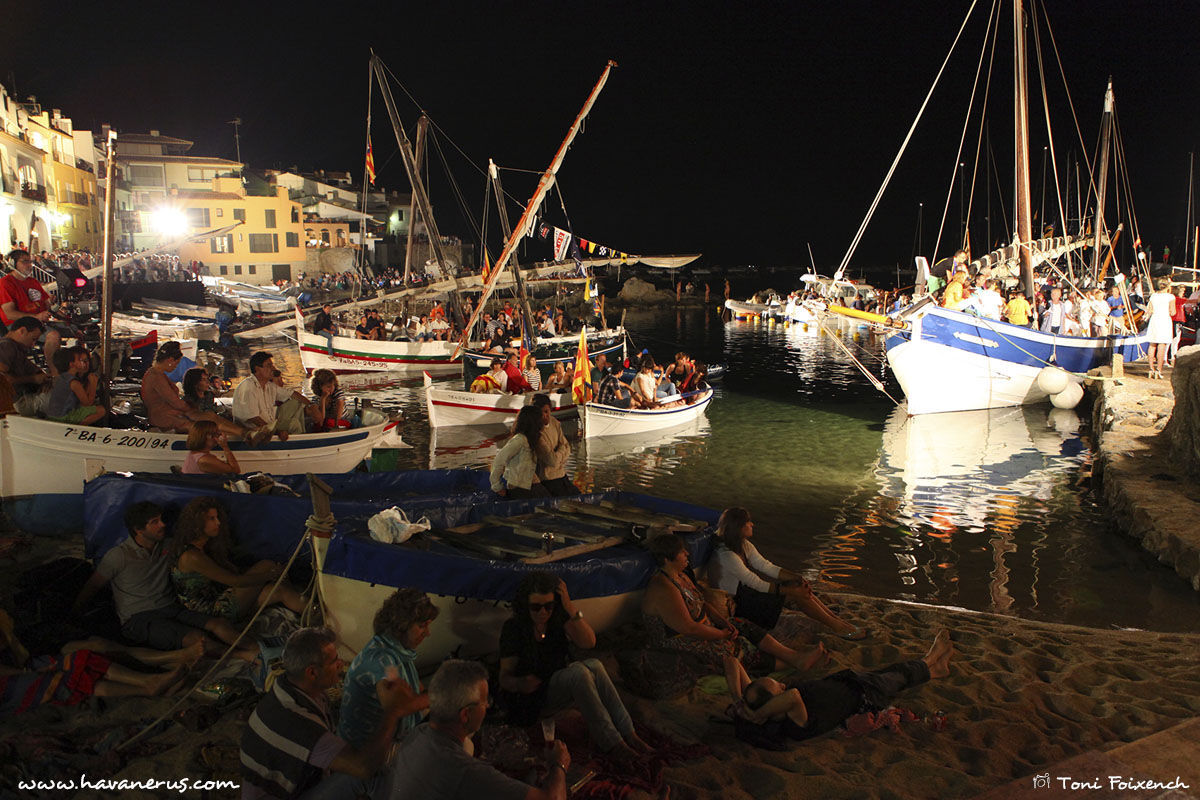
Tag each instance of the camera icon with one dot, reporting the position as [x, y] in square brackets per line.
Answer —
[1041, 781]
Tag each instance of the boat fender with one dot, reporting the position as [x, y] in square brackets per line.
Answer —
[1053, 380]
[1068, 397]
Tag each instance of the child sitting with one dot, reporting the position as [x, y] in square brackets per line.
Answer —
[73, 396]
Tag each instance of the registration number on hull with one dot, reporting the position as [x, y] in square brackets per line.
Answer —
[144, 442]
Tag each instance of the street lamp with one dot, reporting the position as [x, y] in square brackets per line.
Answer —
[169, 221]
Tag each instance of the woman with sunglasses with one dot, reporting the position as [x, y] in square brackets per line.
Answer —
[538, 676]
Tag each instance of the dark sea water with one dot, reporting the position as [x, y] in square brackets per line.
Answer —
[987, 510]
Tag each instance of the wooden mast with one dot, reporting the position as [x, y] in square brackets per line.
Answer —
[1021, 148]
[414, 179]
[526, 221]
[1102, 180]
[106, 297]
[422, 127]
[522, 297]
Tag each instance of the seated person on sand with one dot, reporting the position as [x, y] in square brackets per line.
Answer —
[736, 561]
[400, 625]
[328, 409]
[30, 383]
[493, 381]
[678, 618]
[139, 573]
[289, 748]
[802, 709]
[436, 761]
[84, 670]
[201, 460]
[255, 401]
[73, 395]
[538, 677]
[206, 581]
[165, 409]
[557, 379]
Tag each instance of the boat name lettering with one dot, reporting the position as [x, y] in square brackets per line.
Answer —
[92, 435]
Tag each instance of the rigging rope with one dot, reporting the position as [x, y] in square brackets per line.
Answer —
[904, 145]
[878, 384]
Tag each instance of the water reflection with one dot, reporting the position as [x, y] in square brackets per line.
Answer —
[641, 457]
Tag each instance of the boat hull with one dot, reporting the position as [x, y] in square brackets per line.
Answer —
[40, 457]
[951, 361]
[450, 407]
[364, 355]
[602, 420]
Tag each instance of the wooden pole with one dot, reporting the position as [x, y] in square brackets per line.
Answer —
[106, 299]
[422, 126]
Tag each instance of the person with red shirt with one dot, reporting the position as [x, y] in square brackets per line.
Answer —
[516, 379]
[22, 295]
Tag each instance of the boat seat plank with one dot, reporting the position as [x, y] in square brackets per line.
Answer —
[575, 550]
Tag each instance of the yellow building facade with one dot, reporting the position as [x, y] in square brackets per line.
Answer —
[267, 243]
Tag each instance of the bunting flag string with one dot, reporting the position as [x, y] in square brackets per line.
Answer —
[565, 242]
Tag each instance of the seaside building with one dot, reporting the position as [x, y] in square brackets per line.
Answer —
[49, 197]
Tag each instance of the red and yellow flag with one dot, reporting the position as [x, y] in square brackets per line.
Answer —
[487, 266]
[370, 162]
[581, 384]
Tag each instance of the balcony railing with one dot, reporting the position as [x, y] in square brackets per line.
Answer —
[84, 165]
[33, 191]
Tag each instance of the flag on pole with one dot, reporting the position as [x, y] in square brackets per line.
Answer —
[487, 266]
[581, 384]
[370, 162]
[577, 257]
[587, 289]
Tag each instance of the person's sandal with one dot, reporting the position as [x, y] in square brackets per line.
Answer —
[856, 635]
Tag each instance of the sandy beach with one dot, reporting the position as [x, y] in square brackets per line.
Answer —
[1022, 696]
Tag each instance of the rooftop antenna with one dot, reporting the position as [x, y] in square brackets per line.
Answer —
[237, 142]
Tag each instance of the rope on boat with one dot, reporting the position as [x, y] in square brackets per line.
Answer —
[168, 714]
[878, 384]
[1081, 375]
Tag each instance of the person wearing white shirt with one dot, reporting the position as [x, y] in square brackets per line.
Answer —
[255, 398]
[516, 463]
[737, 561]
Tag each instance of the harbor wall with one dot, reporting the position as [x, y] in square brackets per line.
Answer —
[1147, 459]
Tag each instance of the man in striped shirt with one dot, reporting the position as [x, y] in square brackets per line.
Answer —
[289, 748]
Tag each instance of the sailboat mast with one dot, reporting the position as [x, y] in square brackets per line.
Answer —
[1102, 178]
[106, 296]
[414, 178]
[422, 127]
[1021, 146]
[522, 297]
[362, 222]
[535, 202]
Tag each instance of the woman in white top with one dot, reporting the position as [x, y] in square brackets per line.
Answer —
[515, 462]
[1160, 330]
[737, 561]
[645, 384]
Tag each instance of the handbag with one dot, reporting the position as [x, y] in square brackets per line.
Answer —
[761, 608]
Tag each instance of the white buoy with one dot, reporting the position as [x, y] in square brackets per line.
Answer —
[1068, 397]
[1053, 380]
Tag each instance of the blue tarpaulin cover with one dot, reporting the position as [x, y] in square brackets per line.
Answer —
[268, 526]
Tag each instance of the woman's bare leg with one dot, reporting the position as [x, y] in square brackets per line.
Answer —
[813, 607]
[186, 655]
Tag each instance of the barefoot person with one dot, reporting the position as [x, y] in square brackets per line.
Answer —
[811, 708]
[736, 561]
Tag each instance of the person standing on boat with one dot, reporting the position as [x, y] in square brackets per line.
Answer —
[21, 294]
[1159, 331]
[30, 384]
[941, 270]
[400, 625]
[323, 325]
[736, 562]
[552, 451]
[538, 677]
[1017, 311]
[516, 463]
[255, 397]
[1054, 319]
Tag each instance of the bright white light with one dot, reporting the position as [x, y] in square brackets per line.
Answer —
[1141, 253]
[169, 221]
[6, 209]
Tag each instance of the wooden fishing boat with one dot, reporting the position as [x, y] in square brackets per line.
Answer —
[470, 561]
[450, 407]
[604, 420]
[365, 355]
[168, 327]
[44, 464]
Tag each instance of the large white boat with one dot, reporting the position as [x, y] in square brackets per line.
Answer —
[168, 327]
[604, 420]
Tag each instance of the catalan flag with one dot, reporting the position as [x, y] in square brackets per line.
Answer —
[370, 162]
[487, 266]
[581, 384]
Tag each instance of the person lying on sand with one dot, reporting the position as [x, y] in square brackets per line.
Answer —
[804, 709]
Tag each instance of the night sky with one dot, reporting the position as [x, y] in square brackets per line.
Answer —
[740, 130]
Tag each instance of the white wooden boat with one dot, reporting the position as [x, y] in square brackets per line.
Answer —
[448, 407]
[365, 355]
[602, 420]
[40, 457]
[168, 327]
[152, 305]
[742, 309]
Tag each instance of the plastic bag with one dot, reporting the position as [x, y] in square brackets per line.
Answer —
[392, 526]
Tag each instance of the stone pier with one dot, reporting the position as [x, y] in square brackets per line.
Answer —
[1147, 460]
